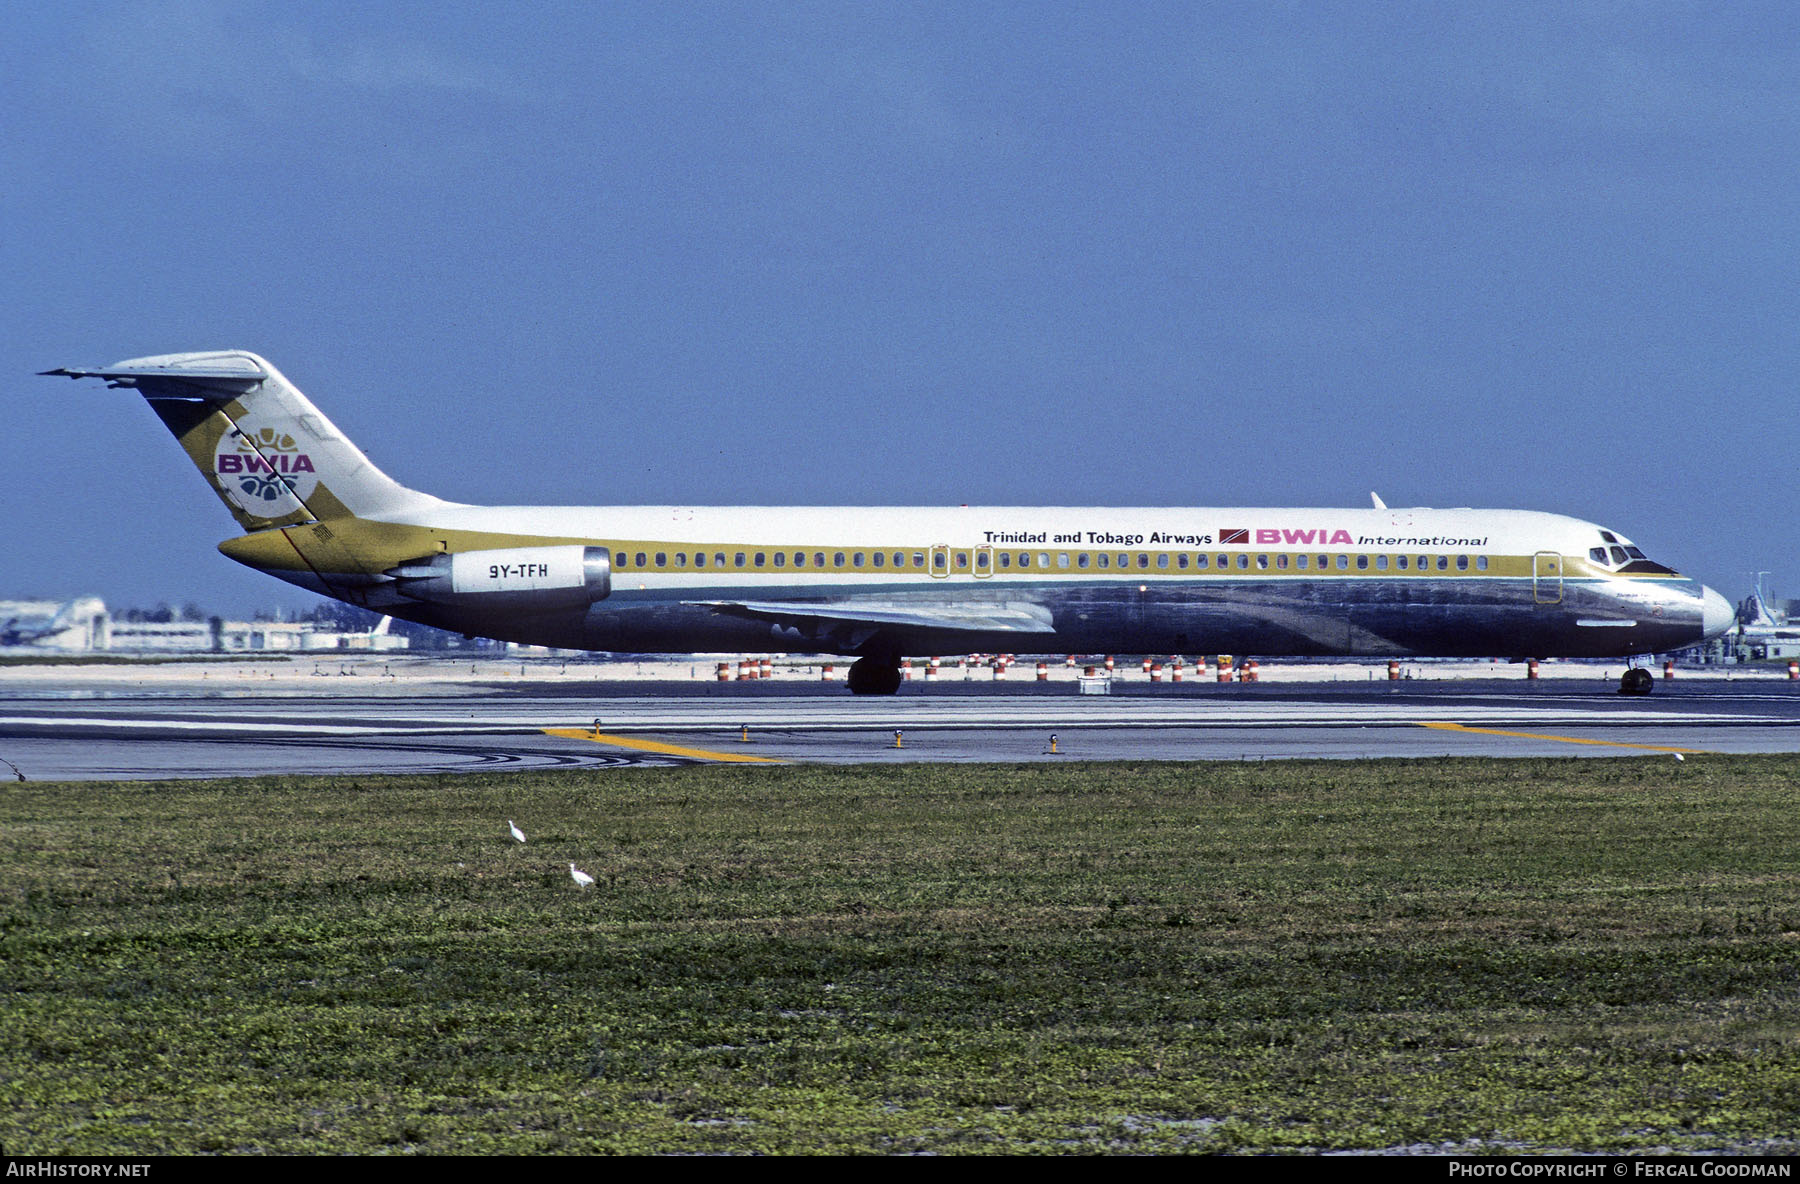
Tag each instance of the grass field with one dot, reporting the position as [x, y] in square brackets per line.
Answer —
[1503, 955]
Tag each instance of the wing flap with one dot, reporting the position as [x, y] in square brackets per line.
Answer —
[966, 616]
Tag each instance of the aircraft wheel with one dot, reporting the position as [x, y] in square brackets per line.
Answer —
[1637, 681]
[869, 676]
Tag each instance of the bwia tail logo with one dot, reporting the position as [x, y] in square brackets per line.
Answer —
[258, 467]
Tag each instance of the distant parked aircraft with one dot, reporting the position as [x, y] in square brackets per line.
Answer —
[29, 628]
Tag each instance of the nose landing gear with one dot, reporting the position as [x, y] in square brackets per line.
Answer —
[1637, 681]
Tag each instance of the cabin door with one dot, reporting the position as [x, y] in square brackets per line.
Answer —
[1546, 577]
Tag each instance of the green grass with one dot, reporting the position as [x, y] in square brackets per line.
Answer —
[1554, 954]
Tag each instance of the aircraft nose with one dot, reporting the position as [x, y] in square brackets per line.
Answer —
[1716, 613]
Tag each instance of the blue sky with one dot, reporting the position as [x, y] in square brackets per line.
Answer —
[1521, 255]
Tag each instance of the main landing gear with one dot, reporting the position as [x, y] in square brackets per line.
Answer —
[1637, 681]
[874, 676]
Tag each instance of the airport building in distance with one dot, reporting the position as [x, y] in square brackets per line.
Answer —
[83, 625]
[1767, 632]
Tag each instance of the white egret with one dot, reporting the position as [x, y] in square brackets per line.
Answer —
[579, 876]
[516, 832]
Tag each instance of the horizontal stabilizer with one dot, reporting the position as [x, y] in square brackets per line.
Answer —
[234, 373]
[974, 617]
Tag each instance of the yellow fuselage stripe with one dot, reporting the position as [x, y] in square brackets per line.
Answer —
[657, 746]
[1447, 727]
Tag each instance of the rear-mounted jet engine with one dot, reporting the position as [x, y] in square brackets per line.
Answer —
[528, 579]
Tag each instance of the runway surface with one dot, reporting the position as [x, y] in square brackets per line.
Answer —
[52, 731]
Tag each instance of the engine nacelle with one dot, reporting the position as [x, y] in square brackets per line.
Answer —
[528, 579]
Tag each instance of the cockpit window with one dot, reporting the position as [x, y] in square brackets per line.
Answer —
[1620, 556]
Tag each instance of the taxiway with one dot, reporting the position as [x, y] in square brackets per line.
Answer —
[229, 724]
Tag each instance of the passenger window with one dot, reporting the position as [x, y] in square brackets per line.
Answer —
[1062, 559]
[1443, 563]
[761, 559]
[819, 559]
[681, 558]
[1005, 559]
[740, 559]
[918, 559]
[1481, 563]
[1200, 561]
[1343, 563]
[1162, 561]
[1081, 560]
[1103, 560]
[879, 558]
[1243, 563]
[962, 561]
[719, 559]
[1400, 563]
[1144, 561]
[780, 558]
[937, 561]
[1300, 561]
[640, 561]
[1044, 559]
[699, 558]
[1362, 563]
[837, 559]
[1181, 561]
[1381, 563]
[1462, 563]
[1281, 562]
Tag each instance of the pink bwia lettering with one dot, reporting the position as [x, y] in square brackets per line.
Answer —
[1323, 537]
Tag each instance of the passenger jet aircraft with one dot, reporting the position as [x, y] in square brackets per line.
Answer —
[881, 583]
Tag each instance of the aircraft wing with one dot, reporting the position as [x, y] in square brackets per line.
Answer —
[867, 617]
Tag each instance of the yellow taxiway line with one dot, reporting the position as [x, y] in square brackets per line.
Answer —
[1446, 727]
[658, 746]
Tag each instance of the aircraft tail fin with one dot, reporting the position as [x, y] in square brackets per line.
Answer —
[268, 453]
